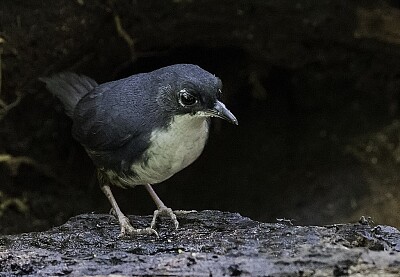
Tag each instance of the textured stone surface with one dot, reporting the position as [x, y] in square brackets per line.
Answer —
[207, 243]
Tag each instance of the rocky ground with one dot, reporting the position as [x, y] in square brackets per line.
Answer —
[208, 243]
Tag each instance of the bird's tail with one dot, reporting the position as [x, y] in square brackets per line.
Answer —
[69, 88]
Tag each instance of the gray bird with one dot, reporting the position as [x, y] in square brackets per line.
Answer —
[143, 129]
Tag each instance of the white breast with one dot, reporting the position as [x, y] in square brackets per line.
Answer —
[171, 150]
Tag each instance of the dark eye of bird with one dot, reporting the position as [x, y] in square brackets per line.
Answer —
[187, 99]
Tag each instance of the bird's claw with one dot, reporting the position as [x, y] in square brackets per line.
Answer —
[164, 211]
[128, 230]
[113, 213]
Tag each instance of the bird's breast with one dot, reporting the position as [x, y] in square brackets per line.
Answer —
[171, 150]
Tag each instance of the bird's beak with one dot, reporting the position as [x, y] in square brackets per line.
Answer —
[221, 111]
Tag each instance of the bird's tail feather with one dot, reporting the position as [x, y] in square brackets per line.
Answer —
[69, 88]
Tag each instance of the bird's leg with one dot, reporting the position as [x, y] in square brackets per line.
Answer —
[126, 227]
[161, 208]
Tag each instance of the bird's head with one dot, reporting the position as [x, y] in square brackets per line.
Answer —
[188, 89]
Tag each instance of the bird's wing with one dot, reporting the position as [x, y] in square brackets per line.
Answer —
[109, 123]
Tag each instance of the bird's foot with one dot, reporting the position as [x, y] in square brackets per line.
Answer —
[128, 230]
[164, 211]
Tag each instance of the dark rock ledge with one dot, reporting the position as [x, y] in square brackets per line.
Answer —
[207, 243]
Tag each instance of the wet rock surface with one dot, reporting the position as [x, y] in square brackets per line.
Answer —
[207, 243]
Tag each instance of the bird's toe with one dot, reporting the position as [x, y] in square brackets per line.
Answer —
[164, 211]
[128, 230]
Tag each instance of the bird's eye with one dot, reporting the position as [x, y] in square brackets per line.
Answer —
[186, 98]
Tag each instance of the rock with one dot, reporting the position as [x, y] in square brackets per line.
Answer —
[207, 243]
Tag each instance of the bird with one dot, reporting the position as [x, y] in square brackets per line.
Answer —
[142, 129]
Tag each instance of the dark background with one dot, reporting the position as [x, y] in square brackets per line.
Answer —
[314, 85]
